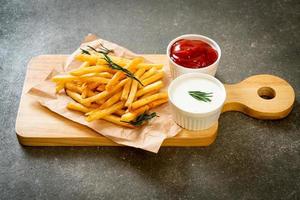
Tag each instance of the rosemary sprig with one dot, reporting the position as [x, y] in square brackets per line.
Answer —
[85, 51]
[103, 50]
[118, 67]
[106, 49]
[142, 118]
[201, 96]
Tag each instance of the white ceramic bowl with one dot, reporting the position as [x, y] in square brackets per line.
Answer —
[177, 70]
[193, 119]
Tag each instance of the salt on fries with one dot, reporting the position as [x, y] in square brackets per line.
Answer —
[112, 88]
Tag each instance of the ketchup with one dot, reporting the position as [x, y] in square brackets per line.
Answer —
[193, 53]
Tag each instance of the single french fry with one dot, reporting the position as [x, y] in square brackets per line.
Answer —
[77, 79]
[103, 94]
[59, 86]
[95, 79]
[99, 74]
[149, 94]
[119, 112]
[134, 87]
[91, 59]
[117, 76]
[64, 78]
[132, 93]
[129, 116]
[158, 102]
[84, 92]
[119, 85]
[112, 100]
[147, 100]
[113, 81]
[148, 73]
[91, 99]
[73, 87]
[118, 60]
[78, 107]
[148, 66]
[84, 64]
[88, 70]
[149, 88]
[126, 90]
[105, 74]
[101, 61]
[74, 95]
[110, 94]
[102, 113]
[153, 78]
[117, 120]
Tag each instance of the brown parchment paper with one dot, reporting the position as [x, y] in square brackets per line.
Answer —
[148, 137]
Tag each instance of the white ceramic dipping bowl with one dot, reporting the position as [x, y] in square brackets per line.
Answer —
[190, 113]
[177, 70]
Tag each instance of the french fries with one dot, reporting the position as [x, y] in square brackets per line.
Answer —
[115, 98]
[59, 86]
[149, 88]
[73, 87]
[149, 73]
[119, 112]
[101, 88]
[132, 115]
[157, 76]
[130, 66]
[101, 113]
[91, 59]
[126, 90]
[148, 66]
[75, 96]
[117, 120]
[78, 107]
[149, 99]
[88, 70]
[114, 94]
[134, 87]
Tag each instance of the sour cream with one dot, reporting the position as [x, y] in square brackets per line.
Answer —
[182, 99]
[189, 112]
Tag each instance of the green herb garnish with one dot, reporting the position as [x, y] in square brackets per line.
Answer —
[142, 118]
[118, 67]
[201, 96]
[85, 52]
[105, 51]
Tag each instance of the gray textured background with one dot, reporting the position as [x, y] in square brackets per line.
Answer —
[251, 159]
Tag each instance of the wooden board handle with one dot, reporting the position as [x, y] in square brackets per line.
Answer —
[260, 96]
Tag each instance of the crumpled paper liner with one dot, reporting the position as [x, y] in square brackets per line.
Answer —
[148, 137]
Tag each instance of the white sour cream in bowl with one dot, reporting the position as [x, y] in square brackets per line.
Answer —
[196, 100]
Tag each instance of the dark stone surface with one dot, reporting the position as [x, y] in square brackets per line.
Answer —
[251, 159]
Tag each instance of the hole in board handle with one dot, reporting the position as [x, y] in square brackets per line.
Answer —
[266, 93]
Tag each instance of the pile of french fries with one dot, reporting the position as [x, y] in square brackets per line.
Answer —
[101, 92]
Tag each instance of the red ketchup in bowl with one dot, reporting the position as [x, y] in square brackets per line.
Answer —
[193, 53]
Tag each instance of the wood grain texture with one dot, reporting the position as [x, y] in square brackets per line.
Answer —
[37, 126]
[261, 96]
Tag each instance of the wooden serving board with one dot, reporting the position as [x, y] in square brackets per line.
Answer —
[37, 126]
